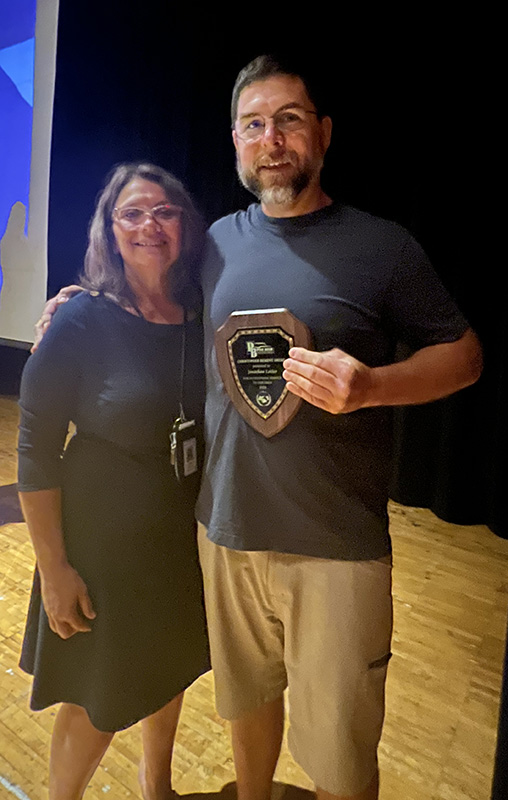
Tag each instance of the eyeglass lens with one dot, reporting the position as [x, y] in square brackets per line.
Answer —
[135, 216]
[252, 128]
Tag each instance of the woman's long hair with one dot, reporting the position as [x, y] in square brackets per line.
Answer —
[104, 271]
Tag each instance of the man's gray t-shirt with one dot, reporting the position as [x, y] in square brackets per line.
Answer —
[360, 283]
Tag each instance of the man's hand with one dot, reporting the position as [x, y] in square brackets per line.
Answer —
[49, 309]
[66, 602]
[338, 383]
[333, 380]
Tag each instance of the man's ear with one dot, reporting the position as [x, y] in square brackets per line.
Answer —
[235, 139]
[326, 133]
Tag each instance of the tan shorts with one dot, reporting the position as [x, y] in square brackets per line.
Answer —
[321, 627]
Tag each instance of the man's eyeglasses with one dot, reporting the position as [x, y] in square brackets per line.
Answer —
[132, 217]
[250, 128]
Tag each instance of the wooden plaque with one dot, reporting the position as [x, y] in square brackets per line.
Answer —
[251, 347]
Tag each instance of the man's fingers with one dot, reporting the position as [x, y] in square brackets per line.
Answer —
[63, 295]
[68, 291]
[317, 385]
[44, 322]
[305, 374]
[334, 362]
[40, 328]
[49, 309]
[332, 380]
[52, 305]
[308, 383]
[324, 359]
[320, 372]
[300, 392]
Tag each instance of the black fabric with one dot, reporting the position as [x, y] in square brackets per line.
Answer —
[129, 527]
[320, 486]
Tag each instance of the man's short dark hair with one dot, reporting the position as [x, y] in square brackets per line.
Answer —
[268, 66]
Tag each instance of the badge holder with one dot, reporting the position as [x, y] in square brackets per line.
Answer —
[184, 457]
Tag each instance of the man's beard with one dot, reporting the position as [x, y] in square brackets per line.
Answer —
[282, 190]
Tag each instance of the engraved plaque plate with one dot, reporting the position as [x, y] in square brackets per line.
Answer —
[251, 347]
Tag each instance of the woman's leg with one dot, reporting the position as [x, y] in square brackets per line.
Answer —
[158, 732]
[76, 750]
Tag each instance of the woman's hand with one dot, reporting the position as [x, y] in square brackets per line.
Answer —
[64, 592]
[66, 602]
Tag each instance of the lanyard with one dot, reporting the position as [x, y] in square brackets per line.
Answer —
[182, 439]
[181, 412]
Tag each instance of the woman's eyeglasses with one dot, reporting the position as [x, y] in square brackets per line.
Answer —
[132, 217]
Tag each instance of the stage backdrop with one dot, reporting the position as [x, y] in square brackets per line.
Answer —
[28, 30]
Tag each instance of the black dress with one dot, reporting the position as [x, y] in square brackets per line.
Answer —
[128, 524]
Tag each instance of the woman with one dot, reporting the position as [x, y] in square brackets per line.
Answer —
[116, 629]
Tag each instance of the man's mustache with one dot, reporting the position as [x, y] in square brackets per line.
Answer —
[276, 160]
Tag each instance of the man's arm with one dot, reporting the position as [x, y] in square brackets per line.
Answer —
[49, 309]
[339, 383]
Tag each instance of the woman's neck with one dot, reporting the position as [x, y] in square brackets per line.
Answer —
[160, 309]
[155, 303]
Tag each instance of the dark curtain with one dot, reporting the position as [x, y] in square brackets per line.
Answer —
[155, 83]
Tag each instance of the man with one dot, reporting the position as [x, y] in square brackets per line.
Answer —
[293, 537]
[296, 562]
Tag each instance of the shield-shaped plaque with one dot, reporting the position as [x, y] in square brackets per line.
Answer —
[251, 347]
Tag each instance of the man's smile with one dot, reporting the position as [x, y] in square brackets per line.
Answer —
[274, 167]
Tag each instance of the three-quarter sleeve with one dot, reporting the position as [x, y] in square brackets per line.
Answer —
[49, 387]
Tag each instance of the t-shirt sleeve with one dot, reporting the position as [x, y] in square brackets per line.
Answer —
[417, 304]
[47, 401]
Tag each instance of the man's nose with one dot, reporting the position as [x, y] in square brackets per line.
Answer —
[272, 134]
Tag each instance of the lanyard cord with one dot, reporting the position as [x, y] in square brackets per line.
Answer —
[182, 365]
[182, 358]
[182, 361]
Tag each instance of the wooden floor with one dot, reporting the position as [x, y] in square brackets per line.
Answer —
[451, 597]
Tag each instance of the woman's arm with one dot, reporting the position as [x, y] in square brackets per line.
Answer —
[64, 593]
[49, 394]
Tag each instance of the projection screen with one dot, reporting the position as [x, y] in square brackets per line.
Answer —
[28, 34]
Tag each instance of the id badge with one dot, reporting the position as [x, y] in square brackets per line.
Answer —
[184, 456]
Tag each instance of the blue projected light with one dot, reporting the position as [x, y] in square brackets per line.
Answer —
[17, 42]
[18, 64]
